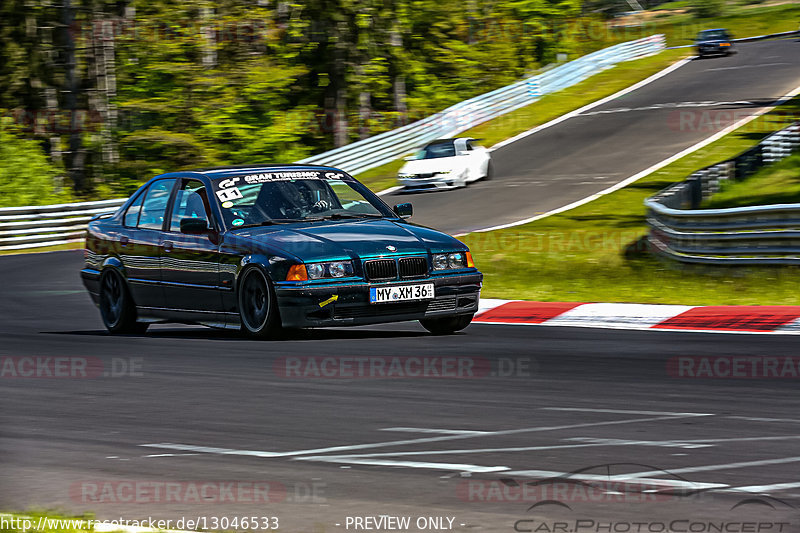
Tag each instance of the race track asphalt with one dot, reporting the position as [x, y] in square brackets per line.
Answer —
[523, 403]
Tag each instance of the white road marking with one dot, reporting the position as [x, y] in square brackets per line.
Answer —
[757, 419]
[708, 468]
[623, 411]
[169, 454]
[669, 105]
[766, 488]
[389, 190]
[748, 66]
[407, 464]
[639, 175]
[689, 443]
[625, 442]
[344, 448]
[434, 430]
[669, 483]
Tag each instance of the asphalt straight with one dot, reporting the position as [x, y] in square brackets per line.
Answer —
[590, 152]
[188, 422]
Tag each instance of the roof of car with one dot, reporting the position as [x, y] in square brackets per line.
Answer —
[450, 140]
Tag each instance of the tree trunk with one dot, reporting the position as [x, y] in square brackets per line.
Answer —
[399, 81]
[76, 155]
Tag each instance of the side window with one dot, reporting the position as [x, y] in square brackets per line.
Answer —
[190, 202]
[155, 204]
[131, 218]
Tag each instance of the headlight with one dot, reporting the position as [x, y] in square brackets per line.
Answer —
[451, 261]
[337, 270]
[315, 270]
[456, 260]
[333, 269]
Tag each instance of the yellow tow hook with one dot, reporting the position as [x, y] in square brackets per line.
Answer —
[329, 300]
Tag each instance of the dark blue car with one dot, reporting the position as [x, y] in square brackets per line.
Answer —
[260, 248]
[714, 42]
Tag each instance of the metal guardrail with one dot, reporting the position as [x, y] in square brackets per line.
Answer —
[49, 225]
[756, 235]
[37, 226]
[375, 151]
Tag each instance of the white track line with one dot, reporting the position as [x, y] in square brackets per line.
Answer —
[709, 468]
[670, 483]
[345, 448]
[756, 419]
[434, 430]
[476, 469]
[760, 489]
[647, 171]
[622, 411]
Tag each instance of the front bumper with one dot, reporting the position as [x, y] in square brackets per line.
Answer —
[713, 49]
[347, 304]
[437, 182]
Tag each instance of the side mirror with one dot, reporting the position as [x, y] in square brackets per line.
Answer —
[403, 210]
[194, 226]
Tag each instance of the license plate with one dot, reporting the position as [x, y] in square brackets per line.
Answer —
[401, 293]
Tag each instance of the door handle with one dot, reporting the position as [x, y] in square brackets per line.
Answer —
[167, 246]
[123, 241]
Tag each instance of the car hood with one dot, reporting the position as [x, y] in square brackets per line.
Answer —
[713, 41]
[439, 164]
[331, 240]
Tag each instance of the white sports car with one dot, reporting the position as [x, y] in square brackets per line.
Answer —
[446, 164]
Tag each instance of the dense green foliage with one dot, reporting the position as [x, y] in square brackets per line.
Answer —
[122, 90]
[115, 92]
[26, 175]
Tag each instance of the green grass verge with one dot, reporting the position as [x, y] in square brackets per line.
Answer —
[57, 248]
[742, 21]
[580, 255]
[776, 184]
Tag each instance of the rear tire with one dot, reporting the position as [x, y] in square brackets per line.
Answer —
[116, 305]
[258, 308]
[447, 325]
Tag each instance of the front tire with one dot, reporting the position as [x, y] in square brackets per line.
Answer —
[116, 305]
[447, 325]
[258, 308]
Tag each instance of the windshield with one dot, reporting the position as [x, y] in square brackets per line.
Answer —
[709, 35]
[436, 150]
[292, 196]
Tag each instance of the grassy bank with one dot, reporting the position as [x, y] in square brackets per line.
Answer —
[580, 255]
[776, 184]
